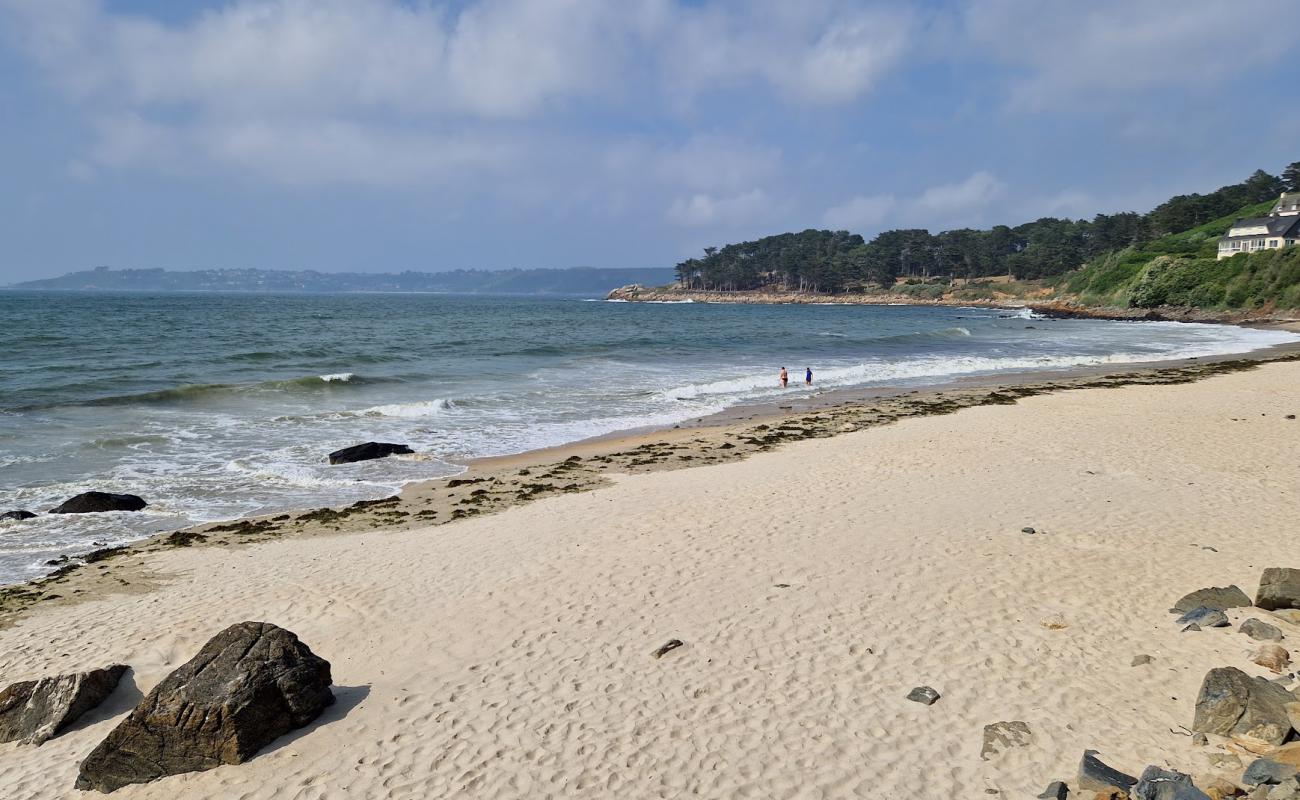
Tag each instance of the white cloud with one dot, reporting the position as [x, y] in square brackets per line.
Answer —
[705, 210]
[1074, 52]
[942, 207]
[860, 213]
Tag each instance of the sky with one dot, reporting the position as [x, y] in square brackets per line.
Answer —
[382, 135]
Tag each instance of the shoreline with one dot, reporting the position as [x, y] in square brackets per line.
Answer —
[1020, 561]
[1045, 305]
[494, 484]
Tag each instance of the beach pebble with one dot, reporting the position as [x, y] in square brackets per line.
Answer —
[1219, 597]
[1027, 529]
[1261, 631]
[667, 647]
[923, 695]
[1139, 660]
[1205, 617]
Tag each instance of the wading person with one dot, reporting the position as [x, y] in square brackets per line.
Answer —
[785, 378]
[807, 376]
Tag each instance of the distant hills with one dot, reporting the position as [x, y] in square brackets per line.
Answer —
[575, 280]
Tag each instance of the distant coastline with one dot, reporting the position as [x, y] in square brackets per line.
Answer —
[567, 281]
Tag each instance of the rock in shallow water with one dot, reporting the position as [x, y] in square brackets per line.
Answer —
[249, 685]
[368, 451]
[98, 502]
[18, 515]
[1219, 597]
[1234, 703]
[33, 712]
[1279, 587]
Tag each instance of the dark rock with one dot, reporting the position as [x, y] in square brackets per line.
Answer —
[1219, 597]
[1268, 771]
[1204, 617]
[1028, 530]
[249, 685]
[1002, 736]
[368, 452]
[1160, 784]
[1279, 587]
[1261, 631]
[1233, 703]
[18, 515]
[1097, 777]
[923, 695]
[96, 502]
[33, 712]
[667, 647]
[1056, 790]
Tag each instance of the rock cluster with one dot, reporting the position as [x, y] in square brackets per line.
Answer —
[249, 685]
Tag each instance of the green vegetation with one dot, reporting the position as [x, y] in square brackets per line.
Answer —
[1164, 257]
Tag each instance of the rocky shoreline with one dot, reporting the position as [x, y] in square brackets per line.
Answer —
[1048, 307]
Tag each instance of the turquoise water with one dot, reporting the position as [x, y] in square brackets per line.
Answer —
[216, 406]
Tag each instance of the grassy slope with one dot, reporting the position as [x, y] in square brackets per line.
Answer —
[1181, 270]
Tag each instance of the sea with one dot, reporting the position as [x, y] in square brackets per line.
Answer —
[218, 406]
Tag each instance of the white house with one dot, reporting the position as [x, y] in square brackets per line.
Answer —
[1281, 228]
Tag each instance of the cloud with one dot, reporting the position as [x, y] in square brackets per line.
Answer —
[1108, 49]
[861, 212]
[395, 88]
[943, 207]
[705, 210]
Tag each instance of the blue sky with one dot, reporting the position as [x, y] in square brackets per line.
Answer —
[378, 135]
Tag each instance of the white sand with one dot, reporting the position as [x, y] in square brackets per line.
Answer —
[509, 655]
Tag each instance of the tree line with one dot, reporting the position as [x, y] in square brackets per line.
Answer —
[839, 261]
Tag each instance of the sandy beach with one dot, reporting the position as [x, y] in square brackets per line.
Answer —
[814, 582]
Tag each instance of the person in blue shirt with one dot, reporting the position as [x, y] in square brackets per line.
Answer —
[807, 376]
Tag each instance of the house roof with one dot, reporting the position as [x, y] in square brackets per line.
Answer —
[1276, 226]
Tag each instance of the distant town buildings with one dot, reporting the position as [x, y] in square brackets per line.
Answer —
[1281, 228]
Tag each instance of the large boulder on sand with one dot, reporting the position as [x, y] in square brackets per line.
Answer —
[368, 451]
[249, 685]
[1218, 597]
[95, 502]
[1232, 703]
[33, 712]
[1279, 587]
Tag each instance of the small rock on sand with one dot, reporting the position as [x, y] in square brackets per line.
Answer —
[1098, 777]
[1261, 631]
[667, 647]
[1166, 784]
[923, 695]
[1268, 771]
[33, 712]
[1002, 736]
[1056, 790]
[1219, 597]
[1139, 660]
[1205, 617]
[1028, 529]
[1271, 656]
[1279, 587]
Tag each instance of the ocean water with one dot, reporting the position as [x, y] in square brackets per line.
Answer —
[216, 406]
